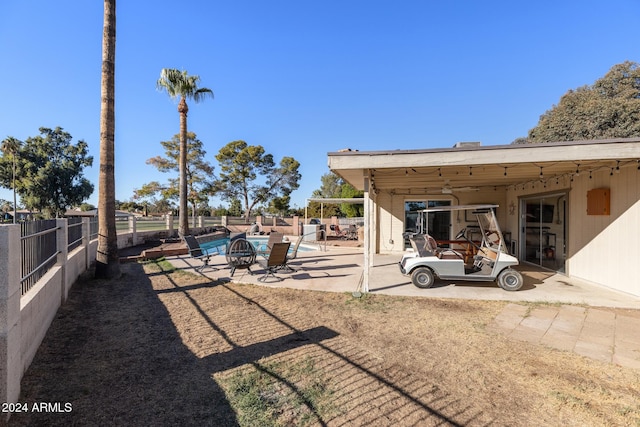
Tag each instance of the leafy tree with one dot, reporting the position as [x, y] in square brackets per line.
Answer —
[178, 84]
[49, 175]
[10, 147]
[235, 208]
[221, 211]
[331, 187]
[248, 173]
[198, 173]
[335, 187]
[607, 109]
[351, 210]
[279, 205]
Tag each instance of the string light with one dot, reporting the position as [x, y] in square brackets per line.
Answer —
[618, 166]
[470, 172]
[505, 171]
[541, 175]
[439, 172]
[578, 170]
[611, 174]
[590, 177]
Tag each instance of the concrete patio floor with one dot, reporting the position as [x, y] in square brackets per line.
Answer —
[587, 319]
[339, 269]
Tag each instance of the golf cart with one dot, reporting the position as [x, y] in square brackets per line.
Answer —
[486, 259]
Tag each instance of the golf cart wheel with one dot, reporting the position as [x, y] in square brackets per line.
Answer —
[422, 277]
[510, 280]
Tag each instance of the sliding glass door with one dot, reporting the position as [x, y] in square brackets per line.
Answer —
[437, 224]
[543, 230]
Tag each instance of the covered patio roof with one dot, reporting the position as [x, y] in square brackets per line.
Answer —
[471, 165]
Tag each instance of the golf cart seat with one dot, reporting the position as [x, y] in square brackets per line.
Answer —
[442, 253]
[425, 245]
[420, 244]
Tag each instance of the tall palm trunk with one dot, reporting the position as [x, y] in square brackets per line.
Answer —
[107, 261]
[183, 215]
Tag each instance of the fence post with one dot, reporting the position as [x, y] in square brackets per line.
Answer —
[169, 222]
[296, 226]
[132, 229]
[62, 241]
[86, 241]
[10, 354]
[224, 221]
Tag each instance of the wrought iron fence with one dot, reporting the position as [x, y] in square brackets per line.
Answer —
[93, 227]
[39, 250]
[74, 233]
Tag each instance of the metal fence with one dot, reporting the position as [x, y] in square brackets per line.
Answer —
[74, 233]
[39, 250]
[93, 228]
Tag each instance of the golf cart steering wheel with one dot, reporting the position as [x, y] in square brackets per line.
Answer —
[462, 234]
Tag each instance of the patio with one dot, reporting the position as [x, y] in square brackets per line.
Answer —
[339, 269]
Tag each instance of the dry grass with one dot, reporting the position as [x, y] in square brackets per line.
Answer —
[162, 347]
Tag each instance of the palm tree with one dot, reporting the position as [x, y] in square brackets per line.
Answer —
[107, 261]
[11, 146]
[179, 84]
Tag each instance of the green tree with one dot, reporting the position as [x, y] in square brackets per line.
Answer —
[607, 109]
[235, 207]
[350, 210]
[331, 187]
[107, 260]
[49, 172]
[198, 172]
[250, 174]
[279, 205]
[11, 147]
[178, 84]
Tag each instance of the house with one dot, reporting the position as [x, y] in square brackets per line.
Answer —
[570, 207]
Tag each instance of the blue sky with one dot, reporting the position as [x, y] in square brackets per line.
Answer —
[303, 78]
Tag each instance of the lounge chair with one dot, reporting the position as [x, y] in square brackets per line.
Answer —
[277, 258]
[198, 253]
[337, 232]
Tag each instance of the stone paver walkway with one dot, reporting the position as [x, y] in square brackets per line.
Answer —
[600, 334]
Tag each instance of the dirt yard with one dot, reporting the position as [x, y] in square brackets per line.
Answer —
[169, 348]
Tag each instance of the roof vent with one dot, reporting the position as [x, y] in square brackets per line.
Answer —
[473, 144]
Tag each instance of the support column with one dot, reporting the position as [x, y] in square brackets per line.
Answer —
[366, 265]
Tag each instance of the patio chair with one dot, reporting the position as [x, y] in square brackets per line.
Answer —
[352, 232]
[291, 256]
[337, 232]
[274, 237]
[198, 253]
[240, 255]
[277, 258]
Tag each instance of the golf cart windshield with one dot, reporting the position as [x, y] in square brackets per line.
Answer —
[491, 234]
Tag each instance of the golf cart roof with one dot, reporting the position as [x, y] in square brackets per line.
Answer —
[458, 208]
